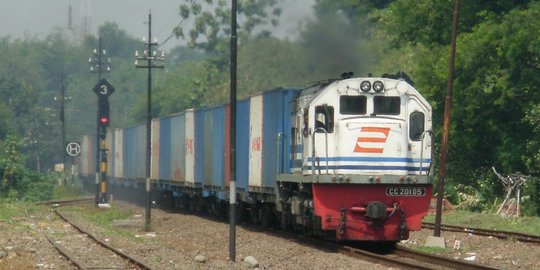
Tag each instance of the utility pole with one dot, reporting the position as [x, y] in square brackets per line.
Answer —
[446, 128]
[149, 61]
[232, 182]
[36, 141]
[62, 99]
[98, 65]
[62, 119]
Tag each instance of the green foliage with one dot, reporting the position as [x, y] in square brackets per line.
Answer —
[495, 86]
[490, 221]
[531, 203]
[532, 158]
[18, 182]
[38, 186]
[187, 86]
[72, 190]
[10, 163]
[432, 250]
[102, 217]
[428, 22]
[211, 29]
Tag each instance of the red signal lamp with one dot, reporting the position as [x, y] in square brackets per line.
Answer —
[104, 120]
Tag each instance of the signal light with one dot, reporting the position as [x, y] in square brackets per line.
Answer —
[103, 111]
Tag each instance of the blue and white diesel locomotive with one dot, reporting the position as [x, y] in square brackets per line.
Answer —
[349, 158]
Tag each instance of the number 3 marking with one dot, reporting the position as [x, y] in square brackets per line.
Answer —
[104, 89]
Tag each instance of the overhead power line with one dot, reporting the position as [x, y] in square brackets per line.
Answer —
[177, 26]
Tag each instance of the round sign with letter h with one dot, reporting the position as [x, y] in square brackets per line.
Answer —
[73, 149]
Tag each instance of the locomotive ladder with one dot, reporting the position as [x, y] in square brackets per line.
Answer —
[313, 150]
[422, 150]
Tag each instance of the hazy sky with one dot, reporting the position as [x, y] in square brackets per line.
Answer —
[36, 18]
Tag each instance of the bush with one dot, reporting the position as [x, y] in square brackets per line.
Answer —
[18, 182]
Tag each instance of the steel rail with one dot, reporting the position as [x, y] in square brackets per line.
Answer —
[383, 259]
[439, 260]
[102, 243]
[65, 253]
[411, 259]
[521, 237]
[69, 201]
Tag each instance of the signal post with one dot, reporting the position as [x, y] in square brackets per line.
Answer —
[103, 89]
[100, 65]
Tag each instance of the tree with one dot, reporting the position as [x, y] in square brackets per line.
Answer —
[495, 88]
[11, 163]
[427, 22]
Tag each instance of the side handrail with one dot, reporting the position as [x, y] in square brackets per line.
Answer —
[281, 137]
[422, 149]
[313, 149]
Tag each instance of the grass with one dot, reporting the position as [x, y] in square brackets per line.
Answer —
[98, 216]
[13, 215]
[103, 218]
[11, 210]
[490, 221]
[432, 250]
[68, 191]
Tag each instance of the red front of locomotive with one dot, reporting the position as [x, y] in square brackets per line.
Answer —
[371, 212]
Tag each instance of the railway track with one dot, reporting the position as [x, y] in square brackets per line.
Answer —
[405, 258]
[399, 257]
[521, 237]
[67, 202]
[86, 251]
[391, 256]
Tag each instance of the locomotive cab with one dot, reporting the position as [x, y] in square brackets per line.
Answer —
[366, 154]
[355, 132]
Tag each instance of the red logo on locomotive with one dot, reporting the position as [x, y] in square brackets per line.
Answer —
[366, 142]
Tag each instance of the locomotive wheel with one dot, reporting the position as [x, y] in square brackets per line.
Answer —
[241, 213]
[184, 202]
[200, 205]
[265, 215]
[286, 221]
[254, 214]
[217, 208]
[167, 200]
[192, 203]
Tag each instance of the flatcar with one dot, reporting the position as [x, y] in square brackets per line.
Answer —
[348, 159]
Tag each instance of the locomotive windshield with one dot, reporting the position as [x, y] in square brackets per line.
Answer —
[386, 105]
[352, 105]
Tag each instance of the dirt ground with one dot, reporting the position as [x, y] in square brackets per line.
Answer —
[180, 241]
[504, 254]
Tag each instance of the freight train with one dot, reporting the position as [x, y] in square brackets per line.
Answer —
[348, 159]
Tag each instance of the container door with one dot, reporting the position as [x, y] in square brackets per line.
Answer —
[178, 148]
[255, 141]
[190, 147]
[154, 157]
[119, 153]
[165, 148]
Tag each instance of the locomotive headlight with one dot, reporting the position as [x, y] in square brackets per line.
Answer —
[365, 86]
[378, 86]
